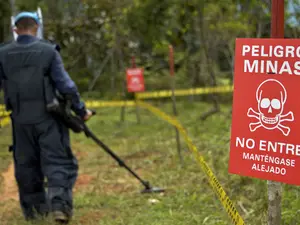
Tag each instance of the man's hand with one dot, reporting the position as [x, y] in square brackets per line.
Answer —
[88, 115]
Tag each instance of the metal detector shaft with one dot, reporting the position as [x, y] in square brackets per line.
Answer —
[90, 134]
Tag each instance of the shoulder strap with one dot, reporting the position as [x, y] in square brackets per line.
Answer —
[56, 46]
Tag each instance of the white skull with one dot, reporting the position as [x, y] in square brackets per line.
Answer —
[271, 97]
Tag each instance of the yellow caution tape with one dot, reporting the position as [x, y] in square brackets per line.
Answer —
[225, 200]
[185, 92]
[91, 104]
[4, 114]
[99, 104]
[4, 121]
[156, 94]
[94, 104]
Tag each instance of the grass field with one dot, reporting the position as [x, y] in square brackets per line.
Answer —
[106, 194]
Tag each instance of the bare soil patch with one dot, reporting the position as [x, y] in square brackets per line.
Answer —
[10, 189]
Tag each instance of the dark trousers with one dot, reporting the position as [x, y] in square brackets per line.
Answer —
[43, 151]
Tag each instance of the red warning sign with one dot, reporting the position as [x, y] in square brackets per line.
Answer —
[265, 133]
[135, 80]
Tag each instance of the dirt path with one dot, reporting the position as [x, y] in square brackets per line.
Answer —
[10, 190]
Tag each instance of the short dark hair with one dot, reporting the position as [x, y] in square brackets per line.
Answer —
[26, 24]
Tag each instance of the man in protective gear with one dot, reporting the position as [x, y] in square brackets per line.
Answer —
[41, 148]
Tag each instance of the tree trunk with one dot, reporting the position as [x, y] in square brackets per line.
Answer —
[13, 7]
[209, 61]
[113, 75]
[5, 29]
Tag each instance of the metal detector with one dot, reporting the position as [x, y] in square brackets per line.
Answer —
[146, 184]
[77, 125]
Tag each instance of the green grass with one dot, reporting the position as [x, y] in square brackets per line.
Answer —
[106, 194]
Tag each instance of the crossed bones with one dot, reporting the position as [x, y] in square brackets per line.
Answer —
[254, 126]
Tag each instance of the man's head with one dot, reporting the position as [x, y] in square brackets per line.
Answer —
[27, 23]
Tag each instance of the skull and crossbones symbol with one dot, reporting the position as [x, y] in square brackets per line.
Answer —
[271, 97]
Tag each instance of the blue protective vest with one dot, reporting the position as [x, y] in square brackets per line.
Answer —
[27, 82]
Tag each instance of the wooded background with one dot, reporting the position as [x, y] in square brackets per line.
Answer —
[99, 37]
